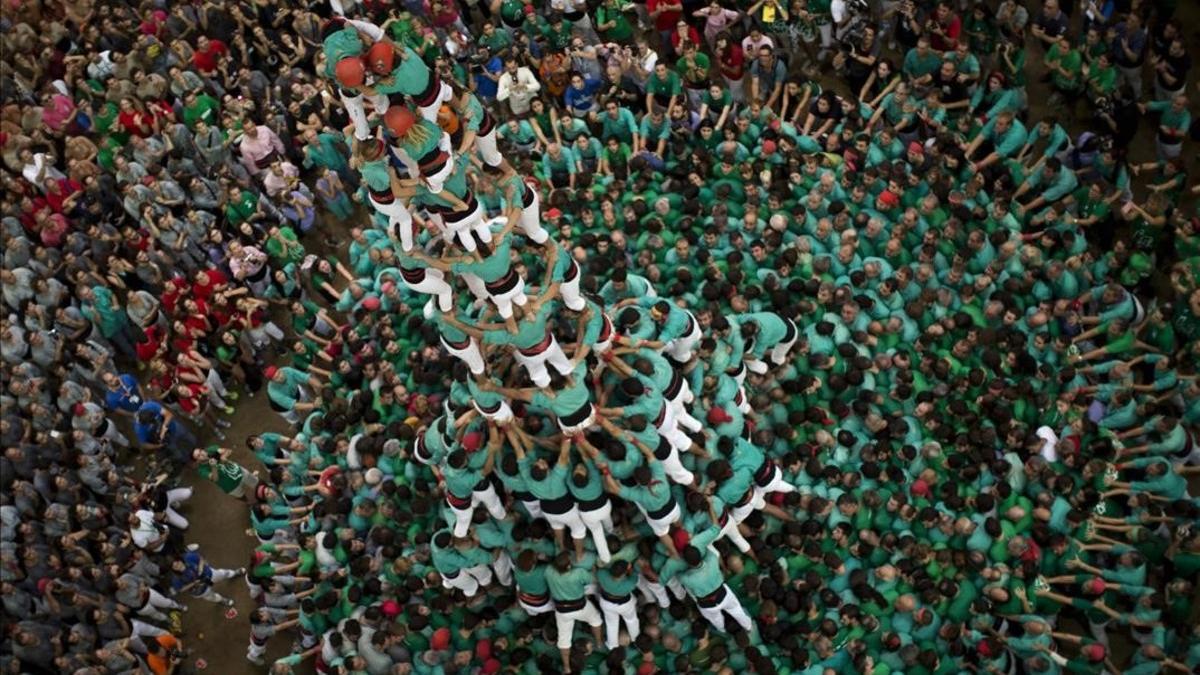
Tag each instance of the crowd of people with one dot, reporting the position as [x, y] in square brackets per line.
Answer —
[810, 337]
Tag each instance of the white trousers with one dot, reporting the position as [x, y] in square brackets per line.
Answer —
[469, 355]
[730, 605]
[599, 523]
[569, 520]
[503, 567]
[460, 231]
[468, 580]
[681, 348]
[565, 621]
[434, 284]
[569, 291]
[731, 532]
[502, 416]
[486, 147]
[430, 112]
[613, 615]
[358, 114]
[536, 365]
[490, 501]
[661, 526]
[400, 222]
[654, 592]
[531, 221]
[675, 469]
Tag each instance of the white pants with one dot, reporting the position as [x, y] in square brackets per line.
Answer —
[514, 296]
[533, 507]
[490, 501]
[468, 580]
[176, 497]
[531, 610]
[430, 112]
[777, 484]
[569, 520]
[261, 336]
[502, 416]
[669, 429]
[661, 526]
[675, 469]
[569, 290]
[486, 147]
[599, 523]
[434, 284]
[531, 221]
[613, 614]
[435, 181]
[654, 592]
[565, 621]
[460, 230]
[681, 348]
[469, 355]
[358, 114]
[536, 365]
[574, 429]
[503, 567]
[400, 222]
[731, 532]
[730, 604]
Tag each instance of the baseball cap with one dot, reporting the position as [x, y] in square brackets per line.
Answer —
[269, 372]
[916, 147]
[553, 213]
[890, 198]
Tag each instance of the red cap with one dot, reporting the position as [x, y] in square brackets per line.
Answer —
[889, 198]
[491, 666]
[718, 416]
[390, 608]
[553, 212]
[472, 441]
[483, 650]
[680, 537]
[79, 409]
[984, 648]
[259, 556]
[370, 303]
[528, 9]
[1095, 586]
[920, 488]
[1093, 652]
[269, 372]
[440, 640]
[399, 119]
[768, 147]
[350, 72]
[646, 668]
[916, 147]
[380, 58]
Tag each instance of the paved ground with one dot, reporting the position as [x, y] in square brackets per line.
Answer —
[219, 522]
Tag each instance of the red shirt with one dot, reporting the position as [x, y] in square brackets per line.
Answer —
[733, 61]
[668, 19]
[137, 123]
[207, 61]
[951, 28]
[692, 35]
[148, 348]
[194, 401]
[204, 291]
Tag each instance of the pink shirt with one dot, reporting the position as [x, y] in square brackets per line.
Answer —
[58, 112]
[258, 148]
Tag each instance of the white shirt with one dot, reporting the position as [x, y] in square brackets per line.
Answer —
[146, 531]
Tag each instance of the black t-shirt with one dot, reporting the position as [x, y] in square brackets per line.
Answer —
[1177, 67]
[1054, 26]
[951, 89]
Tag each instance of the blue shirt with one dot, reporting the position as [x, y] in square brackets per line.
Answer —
[127, 397]
[582, 100]
[486, 87]
[148, 433]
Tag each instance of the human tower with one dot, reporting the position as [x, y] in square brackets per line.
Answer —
[573, 410]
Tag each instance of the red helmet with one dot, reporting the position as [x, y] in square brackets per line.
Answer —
[350, 72]
[380, 58]
[399, 119]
